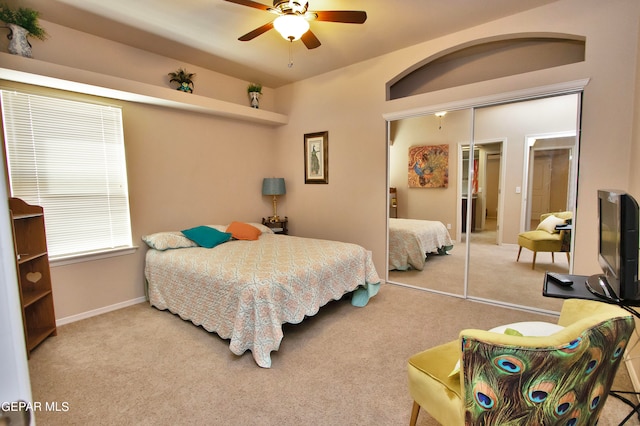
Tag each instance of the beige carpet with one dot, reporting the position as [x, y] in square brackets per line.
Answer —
[345, 366]
[493, 273]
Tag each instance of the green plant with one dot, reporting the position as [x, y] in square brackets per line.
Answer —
[254, 87]
[183, 78]
[24, 17]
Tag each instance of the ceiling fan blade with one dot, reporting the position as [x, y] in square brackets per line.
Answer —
[251, 4]
[345, 16]
[310, 40]
[255, 33]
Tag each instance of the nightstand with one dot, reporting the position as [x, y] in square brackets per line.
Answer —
[278, 227]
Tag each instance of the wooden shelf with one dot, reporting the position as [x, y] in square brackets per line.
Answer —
[34, 274]
[31, 297]
[27, 216]
[47, 74]
[38, 335]
[24, 258]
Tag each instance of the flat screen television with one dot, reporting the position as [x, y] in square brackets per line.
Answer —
[617, 247]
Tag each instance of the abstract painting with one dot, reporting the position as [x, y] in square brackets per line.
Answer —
[429, 166]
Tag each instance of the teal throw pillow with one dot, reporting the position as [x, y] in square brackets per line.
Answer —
[205, 236]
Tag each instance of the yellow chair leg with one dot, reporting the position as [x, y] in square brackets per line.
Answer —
[553, 260]
[519, 251]
[414, 414]
[533, 264]
[568, 258]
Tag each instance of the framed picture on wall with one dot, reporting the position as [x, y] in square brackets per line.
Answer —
[429, 166]
[316, 157]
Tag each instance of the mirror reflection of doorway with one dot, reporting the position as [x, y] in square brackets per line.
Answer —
[485, 188]
[540, 188]
[486, 268]
[492, 193]
[549, 178]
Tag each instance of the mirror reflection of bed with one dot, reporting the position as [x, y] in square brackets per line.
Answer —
[510, 191]
[413, 241]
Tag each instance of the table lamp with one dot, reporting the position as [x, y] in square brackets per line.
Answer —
[274, 187]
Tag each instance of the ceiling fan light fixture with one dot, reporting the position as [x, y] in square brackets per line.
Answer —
[291, 26]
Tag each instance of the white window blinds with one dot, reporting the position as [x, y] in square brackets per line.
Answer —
[68, 157]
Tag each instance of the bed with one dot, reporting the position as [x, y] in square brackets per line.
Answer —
[245, 290]
[411, 240]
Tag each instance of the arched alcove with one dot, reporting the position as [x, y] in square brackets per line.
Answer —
[487, 59]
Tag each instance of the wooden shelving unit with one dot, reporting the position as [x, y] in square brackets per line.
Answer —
[393, 202]
[34, 275]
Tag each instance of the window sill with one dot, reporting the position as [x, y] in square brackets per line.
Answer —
[88, 257]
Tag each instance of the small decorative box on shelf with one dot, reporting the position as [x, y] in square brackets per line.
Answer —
[277, 225]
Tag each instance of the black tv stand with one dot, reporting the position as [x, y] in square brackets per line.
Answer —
[595, 287]
[588, 287]
[598, 286]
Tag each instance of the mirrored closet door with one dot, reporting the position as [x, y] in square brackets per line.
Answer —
[426, 199]
[508, 165]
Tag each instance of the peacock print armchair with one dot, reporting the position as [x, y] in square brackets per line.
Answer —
[505, 379]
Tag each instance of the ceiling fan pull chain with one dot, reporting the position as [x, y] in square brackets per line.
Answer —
[290, 64]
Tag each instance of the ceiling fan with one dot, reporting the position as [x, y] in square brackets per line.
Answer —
[293, 20]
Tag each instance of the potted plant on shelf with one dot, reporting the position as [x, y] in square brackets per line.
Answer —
[254, 90]
[184, 79]
[22, 23]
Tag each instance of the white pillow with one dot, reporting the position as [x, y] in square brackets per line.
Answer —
[530, 328]
[168, 240]
[265, 229]
[550, 223]
[221, 228]
[527, 328]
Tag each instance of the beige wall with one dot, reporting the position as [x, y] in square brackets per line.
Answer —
[357, 130]
[72, 48]
[433, 203]
[634, 188]
[187, 169]
[511, 123]
[634, 158]
[184, 169]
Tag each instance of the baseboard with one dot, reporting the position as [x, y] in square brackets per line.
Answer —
[103, 310]
[633, 375]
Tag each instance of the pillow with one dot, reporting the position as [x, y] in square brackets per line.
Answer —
[263, 228]
[221, 228]
[528, 328]
[550, 223]
[168, 240]
[243, 231]
[205, 236]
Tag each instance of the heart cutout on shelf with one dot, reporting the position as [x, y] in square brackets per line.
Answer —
[34, 277]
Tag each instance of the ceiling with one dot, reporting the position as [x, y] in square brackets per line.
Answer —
[205, 32]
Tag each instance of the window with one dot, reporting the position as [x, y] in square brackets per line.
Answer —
[68, 157]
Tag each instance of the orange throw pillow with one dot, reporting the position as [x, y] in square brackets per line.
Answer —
[243, 231]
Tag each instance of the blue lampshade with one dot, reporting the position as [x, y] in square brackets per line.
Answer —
[273, 186]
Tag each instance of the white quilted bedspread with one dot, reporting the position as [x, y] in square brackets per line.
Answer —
[245, 290]
[411, 239]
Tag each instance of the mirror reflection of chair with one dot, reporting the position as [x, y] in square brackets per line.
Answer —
[563, 378]
[546, 238]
